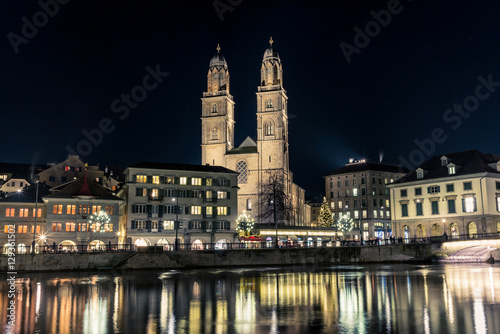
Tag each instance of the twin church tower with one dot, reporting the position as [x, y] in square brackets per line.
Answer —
[253, 160]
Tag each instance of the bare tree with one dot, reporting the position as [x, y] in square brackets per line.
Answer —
[274, 198]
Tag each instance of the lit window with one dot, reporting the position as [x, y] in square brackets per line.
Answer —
[196, 210]
[141, 179]
[70, 227]
[340, 204]
[196, 181]
[109, 210]
[249, 204]
[469, 204]
[56, 227]
[57, 210]
[451, 170]
[169, 180]
[168, 225]
[140, 224]
[208, 211]
[355, 191]
[498, 203]
[208, 182]
[365, 214]
[374, 213]
[37, 229]
[222, 194]
[222, 210]
[183, 180]
[96, 209]
[39, 213]
[83, 209]
[23, 212]
[82, 227]
[22, 229]
[356, 214]
[71, 209]
[155, 193]
[156, 179]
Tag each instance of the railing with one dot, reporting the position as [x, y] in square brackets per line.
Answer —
[248, 245]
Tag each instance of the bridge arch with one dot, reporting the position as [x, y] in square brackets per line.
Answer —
[473, 254]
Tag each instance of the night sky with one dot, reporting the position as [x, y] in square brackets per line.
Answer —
[396, 89]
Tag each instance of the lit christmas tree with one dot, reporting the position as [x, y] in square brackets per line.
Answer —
[325, 215]
[245, 223]
[345, 224]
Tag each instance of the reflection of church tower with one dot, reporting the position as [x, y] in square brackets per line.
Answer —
[217, 117]
[272, 119]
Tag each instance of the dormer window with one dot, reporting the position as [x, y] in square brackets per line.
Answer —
[444, 161]
[420, 173]
[451, 169]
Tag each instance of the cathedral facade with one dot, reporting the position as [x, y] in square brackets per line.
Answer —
[254, 160]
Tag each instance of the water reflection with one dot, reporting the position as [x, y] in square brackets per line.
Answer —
[347, 299]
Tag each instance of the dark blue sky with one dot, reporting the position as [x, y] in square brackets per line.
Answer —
[395, 90]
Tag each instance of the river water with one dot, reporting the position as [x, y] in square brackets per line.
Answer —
[458, 298]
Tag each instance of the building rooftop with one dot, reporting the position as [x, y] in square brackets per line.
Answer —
[367, 166]
[186, 167]
[466, 162]
[83, 186]
[27, 195]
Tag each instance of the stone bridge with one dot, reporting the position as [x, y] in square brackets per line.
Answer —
[486, 249]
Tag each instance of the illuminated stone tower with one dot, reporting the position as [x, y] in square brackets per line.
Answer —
[272, 119]
[217, 119]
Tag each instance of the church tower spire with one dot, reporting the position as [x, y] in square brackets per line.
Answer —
[272, 112]
[217, 118]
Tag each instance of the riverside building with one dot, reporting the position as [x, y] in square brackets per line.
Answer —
[193, 204]
[448, 195]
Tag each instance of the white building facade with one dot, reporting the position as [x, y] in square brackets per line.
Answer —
[195, 204]
[452, 195]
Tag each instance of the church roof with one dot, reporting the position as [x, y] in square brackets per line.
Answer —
[248, 146]
[368, 166]
[218, 59]
[270, 52]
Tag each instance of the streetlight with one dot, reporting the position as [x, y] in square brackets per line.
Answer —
[176, 222]
[36, 214]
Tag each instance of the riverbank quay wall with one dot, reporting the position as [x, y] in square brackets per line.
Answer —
[216, 258]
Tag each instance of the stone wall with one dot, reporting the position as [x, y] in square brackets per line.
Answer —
[220, 258]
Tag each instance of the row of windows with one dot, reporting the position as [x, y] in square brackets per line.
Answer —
[355, 192]
[21, 229]
[355, 181]
[436, 189]
[183, 180]
[170, 225]
[188, 210]
[23, 212]
[469, 205]
[83, 209]
[364, 214]
[13, 184]
[381, 202]
[81, 227]
[156, 193]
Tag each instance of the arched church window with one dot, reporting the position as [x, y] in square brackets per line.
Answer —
[270, 103]
[214, 108]
[269, 129]
[215, 133]
[241, 168]
[275, 75]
